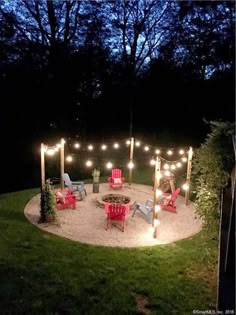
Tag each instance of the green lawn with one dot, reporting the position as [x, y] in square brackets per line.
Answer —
[46, 274]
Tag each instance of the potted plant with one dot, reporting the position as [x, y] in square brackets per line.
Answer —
[47, 204]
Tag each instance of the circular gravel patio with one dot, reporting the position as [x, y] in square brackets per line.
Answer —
[87, 223]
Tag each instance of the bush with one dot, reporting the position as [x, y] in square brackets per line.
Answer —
[47, 204]
[211, 171]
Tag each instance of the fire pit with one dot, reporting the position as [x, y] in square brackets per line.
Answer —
[115, 198]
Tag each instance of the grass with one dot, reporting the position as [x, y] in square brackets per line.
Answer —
[43, 273]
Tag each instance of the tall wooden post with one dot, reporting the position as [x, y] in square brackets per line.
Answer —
[189, 167]
[42, 166]
[62, 162]
[131, 156]
[157, 177]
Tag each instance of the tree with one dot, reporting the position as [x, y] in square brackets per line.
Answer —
[203, 40]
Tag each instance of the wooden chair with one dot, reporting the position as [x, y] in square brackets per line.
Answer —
[146, 209]
[168, 202]
[116, 212]
[78, 188]
[65, 198]
[116, 180]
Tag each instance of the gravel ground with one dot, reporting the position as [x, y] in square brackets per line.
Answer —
[87, 223]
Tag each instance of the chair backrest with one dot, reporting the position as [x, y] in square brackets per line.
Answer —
[116, 173]
[149, 203]
[67, 180]
[170, 199]
[175, 194]
[114, 209]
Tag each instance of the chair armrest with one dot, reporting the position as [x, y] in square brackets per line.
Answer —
[142, 207]
[78, 183]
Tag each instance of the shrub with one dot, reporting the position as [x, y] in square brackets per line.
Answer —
[212, 166]
[47, 203]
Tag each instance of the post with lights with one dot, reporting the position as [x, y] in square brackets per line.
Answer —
[131, 156]
[157, 177]
[42, 166]
[189, 167]
[62, 161]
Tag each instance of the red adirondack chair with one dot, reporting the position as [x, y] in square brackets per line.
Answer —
[65, 198]
[168, 202]
[116, 212]
[116, 180]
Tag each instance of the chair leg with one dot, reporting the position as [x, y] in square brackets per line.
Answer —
[134, 212]
[107, 224]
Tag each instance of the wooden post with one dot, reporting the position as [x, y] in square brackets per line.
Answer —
[62, 162]
[189, 167]
[131, 155]
[42, 166]
[155, 199]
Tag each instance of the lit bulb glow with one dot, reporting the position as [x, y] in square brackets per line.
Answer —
[157, 151]
[77, 145]
[89, 163]
[179, 164]
[158, 192]
[131, 165]
[156, 222]
[167, 173]
[185, 186]
[137, 144]
[69, 158]
[146, 148]
[169, 152]
[173, 167]
[157, 208]
[184, 159]
[181, 151]
[152, 162]
[103, 147]
[116, 145]
[128, 142]
[50, 152]
[90, 147]
[109, 165]
[166, 166]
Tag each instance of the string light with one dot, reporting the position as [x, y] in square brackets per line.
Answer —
[89, 163]
[157, 208]
[152, 162]
[166, 166]
[50, 151]
[69, 158]
[185, 187]
[109, 165]
[130, 165]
